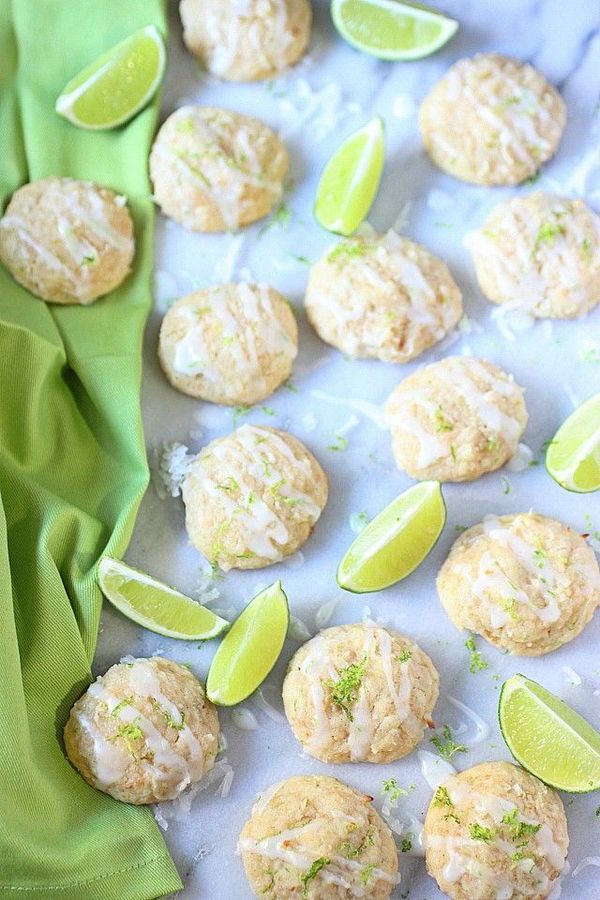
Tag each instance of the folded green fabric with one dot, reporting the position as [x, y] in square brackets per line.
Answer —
[72, 471]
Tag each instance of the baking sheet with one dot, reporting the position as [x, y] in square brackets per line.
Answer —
[315, 106]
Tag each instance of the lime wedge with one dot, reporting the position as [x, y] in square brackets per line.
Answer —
[396, 541]
[350, 180]
[573, 457]
[155, 605]
[250, 649]
[117, 85]
[390, 29]
[548, 738]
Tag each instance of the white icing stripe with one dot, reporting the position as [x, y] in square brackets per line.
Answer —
[360, 730]
[278, 847]
[486, 410]
[265, 532]
[318, 668]
[108, 762]
[95, 219]
[498, 807]
[246, 30]
[536, 563]
[228, 189]
[145, 682]
[400, 697]
[431, 447]
[20, 226]
[517, 131]
[493, 585]
[78, 248]
[524, 278]
[176, 768]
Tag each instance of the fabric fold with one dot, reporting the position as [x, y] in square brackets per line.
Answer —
[72, 470]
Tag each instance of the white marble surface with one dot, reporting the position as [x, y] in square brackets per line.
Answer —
[330, 94]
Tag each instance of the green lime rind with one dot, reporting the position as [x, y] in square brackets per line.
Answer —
[392, 30]
[112, 89]
[396, 541]
[350, 180]
[155, 605]
[573, 456]
[250, 649]
[548, 738]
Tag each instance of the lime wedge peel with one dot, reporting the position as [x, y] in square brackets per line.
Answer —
[117, 85]
[392, 30]
[350, 180]
[155, 605]
[548, 738]
[250, 649]
[396, 541]
[573, 457]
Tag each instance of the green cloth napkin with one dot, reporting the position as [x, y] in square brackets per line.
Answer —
[72, 471]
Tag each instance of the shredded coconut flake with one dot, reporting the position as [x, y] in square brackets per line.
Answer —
[295, 561]
[158, 815]
[520, 459]
[224, 269]
[404, 106]
[298, 630]
[169, 466]
[511, 320]
[572, 677]
[309, 421]
[482, 729]
[585, 862]
[403, 218]
[312, 112]
[571, 394]
[358, 522]
[165, 290]
[267, 707]
[325, 612]
[244, 719]
[439, 200]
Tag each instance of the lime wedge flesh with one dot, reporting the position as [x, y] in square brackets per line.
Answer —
[117, 85]
[250, 649]
[155, 605]
[548, 738]
[350, 180]
[573, 457]
[390, 29]
[396, 541]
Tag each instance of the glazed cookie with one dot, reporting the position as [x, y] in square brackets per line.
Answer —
[232, 343]
[246, 41]
[143, 732]
[540, 254]
[495, 831]
[314, 837]
[253, 497]
[526, 583]
[67, 241]
[456, 419]
[216, 170]
[383, 297]
[492, 120]
[360, 693]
